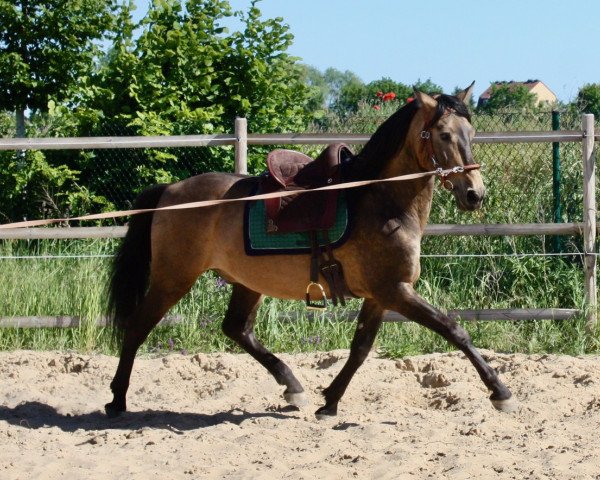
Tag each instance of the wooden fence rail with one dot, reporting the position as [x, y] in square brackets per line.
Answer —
[241, 139]
[479, 229]
[512, 314]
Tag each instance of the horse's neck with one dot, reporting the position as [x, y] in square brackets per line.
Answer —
[411, 198]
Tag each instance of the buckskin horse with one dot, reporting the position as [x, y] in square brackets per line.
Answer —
[164, 252]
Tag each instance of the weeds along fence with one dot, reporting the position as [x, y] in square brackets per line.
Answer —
[541, 203]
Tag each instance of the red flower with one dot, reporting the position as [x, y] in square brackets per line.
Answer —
[380, 94]
[377, 107]
[389, 96]
[410, 99]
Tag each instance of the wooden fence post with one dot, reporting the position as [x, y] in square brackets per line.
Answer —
[241, 145]
[589, 221]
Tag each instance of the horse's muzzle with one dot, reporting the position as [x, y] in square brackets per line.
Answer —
[474, 199]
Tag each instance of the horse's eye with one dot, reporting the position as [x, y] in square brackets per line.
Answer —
[446, 137]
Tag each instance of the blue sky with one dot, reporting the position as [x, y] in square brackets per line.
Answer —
[452, 42]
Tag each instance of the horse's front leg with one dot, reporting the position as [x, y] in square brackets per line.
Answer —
[411, 305]
[368, 323]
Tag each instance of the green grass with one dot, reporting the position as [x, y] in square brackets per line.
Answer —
[76, 287]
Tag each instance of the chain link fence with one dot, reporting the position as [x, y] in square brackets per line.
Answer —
[518, 176]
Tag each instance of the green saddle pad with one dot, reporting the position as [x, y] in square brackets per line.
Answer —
[258, 242]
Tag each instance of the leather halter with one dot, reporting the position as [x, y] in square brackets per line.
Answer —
[426, 137]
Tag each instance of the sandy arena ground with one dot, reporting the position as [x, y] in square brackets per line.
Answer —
[222, 416]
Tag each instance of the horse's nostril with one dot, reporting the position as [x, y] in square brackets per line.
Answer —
[472, 197]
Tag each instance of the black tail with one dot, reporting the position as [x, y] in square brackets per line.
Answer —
[131, 266]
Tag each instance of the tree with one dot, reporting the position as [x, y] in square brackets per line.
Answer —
[509, 95]
[262, 81]
[387, 85]
[46, 47]
[47, 50]
[326, 87]
[352, 94]
[187, 74]
[318, 90]
[428, 87]
[588, 99]
[336, 80]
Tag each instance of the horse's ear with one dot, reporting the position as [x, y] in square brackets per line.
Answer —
[424, 100]
[427, 103]
[466, 94]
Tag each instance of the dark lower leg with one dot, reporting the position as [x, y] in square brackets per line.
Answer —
[120, 383]
[414, 307]
[147, 316]
[368, 323]
[239, 326]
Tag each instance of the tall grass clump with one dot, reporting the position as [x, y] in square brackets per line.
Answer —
[53, 278]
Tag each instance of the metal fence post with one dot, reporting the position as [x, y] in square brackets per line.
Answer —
[241, 145]
[556, 241]
[589, 221]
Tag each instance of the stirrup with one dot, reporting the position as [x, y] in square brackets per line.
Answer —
[316, 305]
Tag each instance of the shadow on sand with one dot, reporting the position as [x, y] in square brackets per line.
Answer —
[36, 415]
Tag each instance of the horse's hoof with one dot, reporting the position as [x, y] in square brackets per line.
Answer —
[507, 406]
[296, 399]
[112, 411]
[326, 412]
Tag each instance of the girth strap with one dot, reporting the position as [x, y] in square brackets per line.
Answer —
[324, 262]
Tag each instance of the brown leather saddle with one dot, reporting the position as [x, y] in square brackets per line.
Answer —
[290, 170]
[312, 212]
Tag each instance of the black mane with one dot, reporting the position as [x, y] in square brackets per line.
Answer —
[450, 102]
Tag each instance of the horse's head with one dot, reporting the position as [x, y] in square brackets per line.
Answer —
[445, 136]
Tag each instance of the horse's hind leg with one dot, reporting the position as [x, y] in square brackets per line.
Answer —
[155, 305]
[368, 323]
[239, 326]
[411, 305]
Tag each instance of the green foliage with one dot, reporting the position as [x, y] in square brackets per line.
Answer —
[428, 87]
[326, 88]
[387, 85]
[38, 184]
[350, 95]
[588, 99]
[354, 92]
[509, 96]
[336, 79]
[319, 91]
[186, 74]
[7, 124]
[46, 47]
[35, 185]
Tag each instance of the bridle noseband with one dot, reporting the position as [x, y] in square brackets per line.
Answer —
[426, 137]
